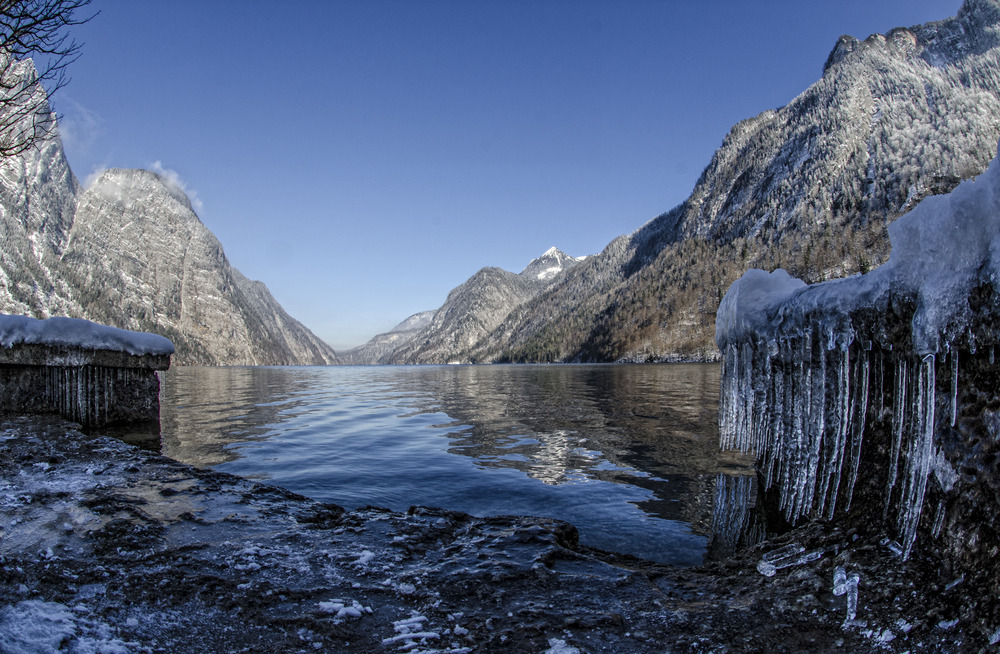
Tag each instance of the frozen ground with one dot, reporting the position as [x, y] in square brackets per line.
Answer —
[108, 548]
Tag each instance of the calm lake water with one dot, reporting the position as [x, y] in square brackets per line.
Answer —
[627, 453]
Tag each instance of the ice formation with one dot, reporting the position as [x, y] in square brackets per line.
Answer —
[90, 395]
[75, 332]
[790, 555]
[804, 366]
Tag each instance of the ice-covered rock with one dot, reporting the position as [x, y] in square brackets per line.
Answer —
[812, 371]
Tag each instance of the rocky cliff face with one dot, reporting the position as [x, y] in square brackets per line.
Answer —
[130, 252]
[471, 312]
[138, 251]
[809, 187]
[37, 201]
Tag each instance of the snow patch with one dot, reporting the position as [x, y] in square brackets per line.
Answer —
[738, 315]
[410, 632]
[344, 608]
[38, 627]
[76, 332]
[549, 273]
[559, 646]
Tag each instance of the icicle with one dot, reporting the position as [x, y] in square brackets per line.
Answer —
[899, 401]
[814, 433]
[776, 419]
[839, 581]
[734, 497]
[852, 597]
[893, 546]
[954, 387]
[919, 461]
[793, 490]
[761, 388]
[858, 411]
[784, 552]
[748, 397]
[938, 519]
[790, 555]
[727, 399]
[841, 425]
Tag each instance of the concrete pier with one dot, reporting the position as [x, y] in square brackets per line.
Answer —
[94, 380]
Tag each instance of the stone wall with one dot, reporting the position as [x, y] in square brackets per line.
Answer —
[93, 387]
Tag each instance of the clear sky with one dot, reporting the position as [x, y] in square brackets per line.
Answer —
[362, 158]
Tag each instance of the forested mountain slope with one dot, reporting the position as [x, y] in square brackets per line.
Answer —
[809, 187]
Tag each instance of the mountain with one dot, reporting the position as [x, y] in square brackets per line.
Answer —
[380, 348]
[546, 268]
[470, 312]
[129, 251]
[809, 187]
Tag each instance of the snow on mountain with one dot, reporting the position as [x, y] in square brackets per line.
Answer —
[416, 321]
[549, 265]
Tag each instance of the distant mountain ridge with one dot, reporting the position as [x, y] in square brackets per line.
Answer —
[470, 312]
[130, 252]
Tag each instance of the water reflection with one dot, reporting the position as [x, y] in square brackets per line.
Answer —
[628, 453]
[653, 427]
[203, 411]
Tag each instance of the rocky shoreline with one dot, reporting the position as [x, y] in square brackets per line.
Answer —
[105, 547]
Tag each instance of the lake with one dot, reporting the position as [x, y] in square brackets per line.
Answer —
[627, 453]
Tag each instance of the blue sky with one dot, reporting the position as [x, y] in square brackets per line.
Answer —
[362, 158]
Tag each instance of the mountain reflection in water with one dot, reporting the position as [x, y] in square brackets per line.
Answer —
[627, 453]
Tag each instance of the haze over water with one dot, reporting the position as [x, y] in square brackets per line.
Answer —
[627, 453]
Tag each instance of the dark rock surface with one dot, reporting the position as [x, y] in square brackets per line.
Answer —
[106, 547]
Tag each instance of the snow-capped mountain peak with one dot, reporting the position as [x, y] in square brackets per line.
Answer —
[550, 264]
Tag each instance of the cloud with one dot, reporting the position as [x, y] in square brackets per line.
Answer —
[79, 128]
[95, 174]
[173, 178]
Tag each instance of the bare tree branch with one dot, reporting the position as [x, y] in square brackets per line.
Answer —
[35, 50]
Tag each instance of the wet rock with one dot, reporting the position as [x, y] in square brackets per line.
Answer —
[120, 547]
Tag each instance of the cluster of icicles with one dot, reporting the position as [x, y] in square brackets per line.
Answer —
[800, 404]
[85, 394]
